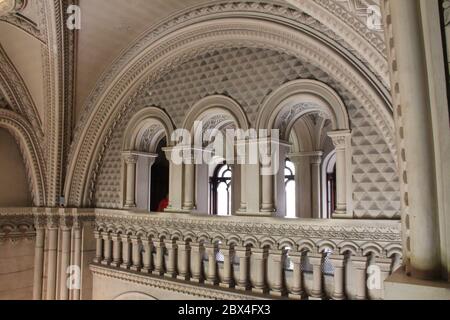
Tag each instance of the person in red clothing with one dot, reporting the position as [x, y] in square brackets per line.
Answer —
[163, 204]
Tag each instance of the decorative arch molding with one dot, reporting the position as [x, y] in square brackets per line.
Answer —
[283, 107]
[213, 105]
[17, 94]
[23, 132]
[181, 45]
[150, 118]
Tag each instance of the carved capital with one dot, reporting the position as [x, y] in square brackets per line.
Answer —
[130, 158]
[339, 138]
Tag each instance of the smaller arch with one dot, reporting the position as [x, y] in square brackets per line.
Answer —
[234, 240]
[149, 118]
[217, 238]
[267, 242]
[176, 235]
[393, 249]
[326, 244]
[189, 236]
[286, 242]
[203, 237]
[211, 105]
[306, 245]
[312, 95]
[372, 248]
[349, 247]
[250, 240]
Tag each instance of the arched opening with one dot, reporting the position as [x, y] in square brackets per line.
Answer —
[221, 190]
[159, 186]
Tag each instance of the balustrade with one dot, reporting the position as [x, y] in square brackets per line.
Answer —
[308, 259]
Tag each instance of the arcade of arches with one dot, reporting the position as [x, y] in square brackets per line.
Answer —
[349, 123]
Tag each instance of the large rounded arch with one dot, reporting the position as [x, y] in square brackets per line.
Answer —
[23, 132]
[183, 44]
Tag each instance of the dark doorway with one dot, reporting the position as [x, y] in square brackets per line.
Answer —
[160, 177]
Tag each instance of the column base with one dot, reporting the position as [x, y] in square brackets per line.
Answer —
[196, 280]
[171, 275]
[135, 268]
[226, 285]
[146, 270]
[183, 277]
[130, 206]
[125, 266]
[243, 288]
[260, 290]
[255, 214]
[158, 273]
[338, 297]
[97, 260]
[106, 262]
[294, 296]
[277, 293]
[115, 264]
[212, 282]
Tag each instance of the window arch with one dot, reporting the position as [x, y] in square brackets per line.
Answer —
[220, 190]
[289, 184]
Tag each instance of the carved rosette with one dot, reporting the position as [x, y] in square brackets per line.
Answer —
[11, 6]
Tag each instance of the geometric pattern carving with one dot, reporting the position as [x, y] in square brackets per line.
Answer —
[248, 75]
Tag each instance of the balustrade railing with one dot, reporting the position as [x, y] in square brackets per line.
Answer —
[298, 259]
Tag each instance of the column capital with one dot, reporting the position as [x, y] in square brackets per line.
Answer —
[339, 138]
[360, 263]
[242, 252]
[130, 157]
[337, 261]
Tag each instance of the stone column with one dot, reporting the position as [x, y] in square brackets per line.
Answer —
[259, 258]
[338, 262]
[52, 257]
[211, 279]
[136, 253]
[171, 270]
[189, 186]
[385, 265]
[197, 250]
[66, 235]
[38, 260]
[176, 179]
[243, 254]
[316, 203]
[130, 192]
[77, 235]
[106, 249]
[278, 257]
[360, 265]
[184, 253]
[144, 180]
[227, 277]
[413, 120]
[126, 253]
[341, 141]
[159, 261]
[297, 290]
[98, 247]
[316, 259]
[147, 255]
[117, 245]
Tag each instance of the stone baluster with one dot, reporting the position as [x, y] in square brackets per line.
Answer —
[211, 279]
[259, 258]
[297, 290]
[278, 288]
[159, 261]
[227, 276]
[77, 231]
[385, 265]
[171, 270]
[189, 185]
[126, 252]
[360, 265]
[197, 250]
[136, 253]
[98, 247]
[117, 244]
[243, 253]
[106, 249]
[147, 256]
[338, 262]
[184, 253]
[316, 259]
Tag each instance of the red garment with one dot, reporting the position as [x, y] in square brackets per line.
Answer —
[163, 204]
